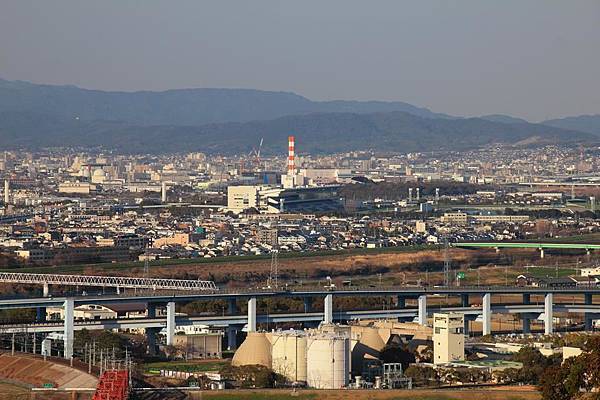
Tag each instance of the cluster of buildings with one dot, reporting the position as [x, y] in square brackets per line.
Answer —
[69, 207]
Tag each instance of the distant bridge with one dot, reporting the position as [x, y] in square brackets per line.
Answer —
[107, 281]
[529, 245]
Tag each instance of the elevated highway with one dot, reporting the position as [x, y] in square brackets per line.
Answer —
[240, 320]
[163, 297]
[154, 299]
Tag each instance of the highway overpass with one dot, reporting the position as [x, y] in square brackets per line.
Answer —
[315, 317]
[328, 314]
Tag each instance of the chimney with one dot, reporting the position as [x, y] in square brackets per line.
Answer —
[6, 191]
[291, 156]
[163, 192]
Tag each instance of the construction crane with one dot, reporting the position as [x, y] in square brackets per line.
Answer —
[258, 152]
[254, 155]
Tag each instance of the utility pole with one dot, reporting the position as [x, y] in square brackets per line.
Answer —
[146, 262]
[446, 263]
[273, 275]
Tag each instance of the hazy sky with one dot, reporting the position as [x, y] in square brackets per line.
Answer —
[534, 59]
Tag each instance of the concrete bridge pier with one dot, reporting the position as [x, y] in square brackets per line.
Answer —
[151, 310]
[46, 289]
[526, 317]
[487, 314]
[464, 300]
[170, 323]
[466, 329]
[151, 332]
[548, 300]
[308, 304]
[232, 308]
[328, 309]
[232, 331]
[588, 317]
[422, 316]
[40, 314]
[69, 311]
[541, 252]
[526, 325]
[252, 314]
[151, 340]
[400, 302]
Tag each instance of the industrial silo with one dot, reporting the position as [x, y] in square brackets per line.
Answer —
[256, 349]
[328, 361]
[366, 345]
[289, 354]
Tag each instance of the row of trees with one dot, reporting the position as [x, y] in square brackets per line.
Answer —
[576, 378]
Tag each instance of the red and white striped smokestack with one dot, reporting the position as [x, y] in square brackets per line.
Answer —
[291, 156]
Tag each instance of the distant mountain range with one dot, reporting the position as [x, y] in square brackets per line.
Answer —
[234, 121]
[179, 107]
[582, 123]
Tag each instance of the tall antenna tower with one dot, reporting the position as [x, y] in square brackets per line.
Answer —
[446, 263]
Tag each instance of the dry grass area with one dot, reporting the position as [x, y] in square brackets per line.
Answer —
[343, 266]
[396, 267]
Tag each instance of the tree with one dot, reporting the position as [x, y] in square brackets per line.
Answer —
[421, 375]
[552, 384]
[575, 377]
[534, 364]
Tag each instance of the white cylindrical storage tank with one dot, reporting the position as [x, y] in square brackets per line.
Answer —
[328, 361]
[289, 354]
